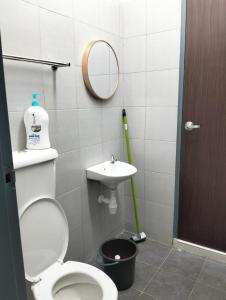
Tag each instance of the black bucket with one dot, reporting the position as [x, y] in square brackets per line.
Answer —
[119, 257]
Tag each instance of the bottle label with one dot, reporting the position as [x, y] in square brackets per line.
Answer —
[34, 139]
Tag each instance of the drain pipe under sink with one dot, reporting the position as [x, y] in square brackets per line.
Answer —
[112, 202]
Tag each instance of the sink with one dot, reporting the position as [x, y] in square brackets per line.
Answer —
[111, 174]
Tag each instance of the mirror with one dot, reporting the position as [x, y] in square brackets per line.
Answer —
[100, 69]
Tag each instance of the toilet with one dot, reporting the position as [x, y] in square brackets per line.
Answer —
[45, 235]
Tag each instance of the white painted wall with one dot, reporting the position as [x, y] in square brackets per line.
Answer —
[151, 35]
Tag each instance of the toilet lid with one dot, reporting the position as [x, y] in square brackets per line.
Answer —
[44, 235]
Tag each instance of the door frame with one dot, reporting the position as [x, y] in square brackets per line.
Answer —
[179, 116]
[12, 278]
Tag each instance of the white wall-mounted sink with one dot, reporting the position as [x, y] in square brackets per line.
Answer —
[111, 174]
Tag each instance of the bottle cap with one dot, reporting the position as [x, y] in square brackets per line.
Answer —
[35, 103]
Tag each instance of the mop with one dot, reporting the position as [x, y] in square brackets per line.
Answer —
[139, 236]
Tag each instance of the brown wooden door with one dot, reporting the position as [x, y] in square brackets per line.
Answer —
[202, 205]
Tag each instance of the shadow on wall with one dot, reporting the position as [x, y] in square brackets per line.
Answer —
[97, 222]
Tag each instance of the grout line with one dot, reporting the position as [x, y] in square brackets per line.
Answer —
[158, 270]
[204, 263]
[172, 249]
[150, 71]
[154, 297]
[148, 34]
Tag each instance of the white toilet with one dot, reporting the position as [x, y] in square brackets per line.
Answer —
[45, 235]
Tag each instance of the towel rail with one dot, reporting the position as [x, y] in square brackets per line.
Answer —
[53, 64]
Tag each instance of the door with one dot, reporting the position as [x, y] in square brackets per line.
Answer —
[12, 279]
[202, 199]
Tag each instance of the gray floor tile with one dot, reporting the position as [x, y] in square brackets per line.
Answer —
[132, 294]
[170, 286]
[184, 263]
[205, 292]
[214, 274]
[145, 297]
[143, 274]
[152, 253]
[125, 235]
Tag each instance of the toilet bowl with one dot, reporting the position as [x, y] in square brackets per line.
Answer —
[45, 236]
[74, 281]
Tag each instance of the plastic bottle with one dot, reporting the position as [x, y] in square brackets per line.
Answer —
[36, 122]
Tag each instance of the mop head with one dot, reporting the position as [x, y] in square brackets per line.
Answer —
[139, 238]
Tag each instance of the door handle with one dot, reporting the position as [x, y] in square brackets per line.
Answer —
[191, 126]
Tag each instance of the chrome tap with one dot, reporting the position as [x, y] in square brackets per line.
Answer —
[113, 159]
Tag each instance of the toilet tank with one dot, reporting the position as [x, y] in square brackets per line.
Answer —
[35, 174]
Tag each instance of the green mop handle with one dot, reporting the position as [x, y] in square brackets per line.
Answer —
[132, 178]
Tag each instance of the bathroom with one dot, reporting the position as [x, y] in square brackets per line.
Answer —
[168, 56]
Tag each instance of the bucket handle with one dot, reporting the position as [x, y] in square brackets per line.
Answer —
[100, 263]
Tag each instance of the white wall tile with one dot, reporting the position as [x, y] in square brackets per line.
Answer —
[161, 123]
[57, 37]
[89, 127]
[109, 16]
[87, 11]
[162, 88]
[75, 251]
[134, 54]
[17, 130]
[71, 203]
[68, 172]
[160, 156]
[159, 222]
[93, 219]
[158, 212]
[52, 127]
[159, 188]
[163, 15]
[22, 79]
[62, 7]
[19, 22]
[134, 17]
[34, 2]
[163, 50]
[111, 126]
[134, 89]
[60, 88]
[91, 156]
[66, 131]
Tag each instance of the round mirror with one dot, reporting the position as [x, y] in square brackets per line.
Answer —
[100, 69]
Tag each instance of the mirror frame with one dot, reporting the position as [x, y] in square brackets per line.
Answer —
[85, 71]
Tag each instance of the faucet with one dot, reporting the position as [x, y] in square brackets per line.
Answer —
[113, 159]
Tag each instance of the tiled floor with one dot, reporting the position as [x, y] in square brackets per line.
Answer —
[166, 273]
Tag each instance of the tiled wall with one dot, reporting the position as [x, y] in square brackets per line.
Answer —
[145, 35]
[83, 130]
[151, 32]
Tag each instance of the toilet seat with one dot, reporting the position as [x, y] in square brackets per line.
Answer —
[45, 236]
[72, 273]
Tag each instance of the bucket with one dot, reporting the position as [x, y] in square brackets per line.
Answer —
[119, 257]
